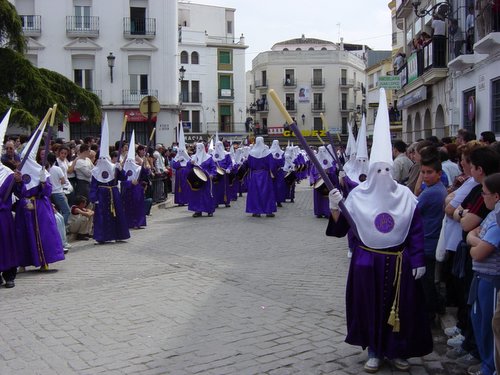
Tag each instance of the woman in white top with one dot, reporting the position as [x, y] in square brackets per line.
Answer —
[58, 180]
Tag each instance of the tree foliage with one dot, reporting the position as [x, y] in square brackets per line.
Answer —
[30, 91]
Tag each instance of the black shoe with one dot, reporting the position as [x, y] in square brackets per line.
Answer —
[10, 284]
[269, 215]
[82, 237]
[210, 214]
[291, 200]
[197, 214]
[256, 215]
[240, 195]
[280, 205]
[228, 205]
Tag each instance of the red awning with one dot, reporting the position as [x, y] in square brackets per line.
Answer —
[133, 115]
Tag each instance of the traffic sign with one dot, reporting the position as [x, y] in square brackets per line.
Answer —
[149, 106]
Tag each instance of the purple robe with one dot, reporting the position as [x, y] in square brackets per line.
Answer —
[320, 200]
[38, 240]
[221, 183]
[133, 202]
[9, 255]
[280, 186]
[370, 294]
[202, 200]
[260, 197]
[234, 183]
[110, 222]
[181, 188]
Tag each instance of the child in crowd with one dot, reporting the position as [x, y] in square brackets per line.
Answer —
[431, 206]
[80, 219]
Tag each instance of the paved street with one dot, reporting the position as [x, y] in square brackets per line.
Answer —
[230, 294]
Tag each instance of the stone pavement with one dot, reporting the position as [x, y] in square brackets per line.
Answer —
[230, 294]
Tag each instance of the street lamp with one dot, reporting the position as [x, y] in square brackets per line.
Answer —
[443, 8]
[111, 64]
[181, 73]
[303, 117]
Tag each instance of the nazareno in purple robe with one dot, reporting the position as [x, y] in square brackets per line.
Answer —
[110, 222]
[133, 201]
[181, 188]
[370, 294]
[234, 183]
[280, 186]
[202, 200]
[9, 255]
[38, 240]
[321, 206]
[260, 196]
[220, 183]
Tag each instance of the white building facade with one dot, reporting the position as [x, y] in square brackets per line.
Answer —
[148, 43]
[213, 92]
[311, 77]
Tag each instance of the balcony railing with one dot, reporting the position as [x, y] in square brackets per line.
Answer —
[346, 82]
[431, 56]
[318, 107]
[190, 97]
[82, 26]
[139, 27]
[226, 93]
[291, 106]
[289, 82]
[262, 107]
[260, 84]
[318, 82]
[32, 25]
[135, 96]
[347, 107]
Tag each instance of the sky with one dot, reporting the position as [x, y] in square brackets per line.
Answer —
[266, 22]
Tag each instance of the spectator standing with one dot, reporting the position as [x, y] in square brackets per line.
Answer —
[402, 164]
[58, 180]
[83, 171]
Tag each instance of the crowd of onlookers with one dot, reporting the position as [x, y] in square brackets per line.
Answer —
[457, 185]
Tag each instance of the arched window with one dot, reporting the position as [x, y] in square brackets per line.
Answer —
[323, 49]
[311, 48]
[298, 49]
[184, 57]
[285, 49]
[195, 58]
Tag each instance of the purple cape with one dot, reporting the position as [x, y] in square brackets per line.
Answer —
[260, 197]
[202, 200]
[8, 245]
[181, 187]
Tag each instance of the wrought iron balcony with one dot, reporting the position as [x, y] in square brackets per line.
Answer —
[139, 27]
[226, 93]
[82, 26]
[291, 106]
[135, 96]
[318, 82]
[289, 82]
[32, 25]
[317, 107]
[190, 97]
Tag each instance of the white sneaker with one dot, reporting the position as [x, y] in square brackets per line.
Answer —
[456, 341]
[401, 364]
[452, 331]
[372, 365]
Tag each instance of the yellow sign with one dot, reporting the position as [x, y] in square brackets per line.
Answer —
[306, 133]
[149, 103]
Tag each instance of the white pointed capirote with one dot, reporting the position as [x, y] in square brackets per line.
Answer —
[211, 146]
[104, 170]
[358, 163]
[351, 142]
[182, 141]
[4, 171]
[382, 147]
[131, 168]
[381, 208]
[182, 156]
[31, 169]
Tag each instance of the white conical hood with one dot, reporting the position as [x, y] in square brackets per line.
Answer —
[382, 147]
[182, 141]
[4, 171]
[361, 147]
[104, 171]
[351, 142]
[31, 169]
[132, 169]
[211, 146]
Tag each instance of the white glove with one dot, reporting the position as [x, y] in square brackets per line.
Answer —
[228, 170]
[341, 174]
[43, 176]
[119, 166]
[418, 272]
[334, 198]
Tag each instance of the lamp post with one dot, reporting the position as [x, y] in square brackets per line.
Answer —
[111, 64]
[442, 8]
[182, 71]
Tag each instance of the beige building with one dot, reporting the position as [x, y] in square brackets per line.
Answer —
[311, 76]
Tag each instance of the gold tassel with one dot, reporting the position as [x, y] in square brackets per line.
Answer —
[396, 325]
[392, 318]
